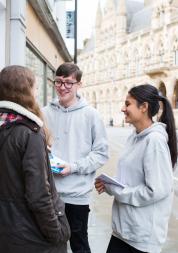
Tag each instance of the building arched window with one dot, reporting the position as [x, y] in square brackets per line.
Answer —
[161, 51]
[126, 65]
[175, 96]
[136, 62]
[147, 55]
[94, 103]
[162, 89]
[175, 51]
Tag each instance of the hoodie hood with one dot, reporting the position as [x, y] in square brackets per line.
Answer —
[81, 102]
[155, 127]
[21, 111]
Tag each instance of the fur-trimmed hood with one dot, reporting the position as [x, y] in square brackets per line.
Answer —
[22, 111]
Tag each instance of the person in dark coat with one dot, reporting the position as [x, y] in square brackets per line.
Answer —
[32, 216]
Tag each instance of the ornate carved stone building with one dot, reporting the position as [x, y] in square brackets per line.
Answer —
[133, 43]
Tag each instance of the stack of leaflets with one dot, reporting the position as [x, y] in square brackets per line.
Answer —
[55, 163]
[110, 180]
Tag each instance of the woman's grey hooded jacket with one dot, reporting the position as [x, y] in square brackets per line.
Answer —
[142, 209]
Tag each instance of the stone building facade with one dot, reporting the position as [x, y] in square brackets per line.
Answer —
[133, 43]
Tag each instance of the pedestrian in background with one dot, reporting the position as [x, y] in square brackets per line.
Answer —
[79, 138]
[32, 217]
[142, 208]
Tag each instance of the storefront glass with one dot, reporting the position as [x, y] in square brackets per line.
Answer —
[44, 76]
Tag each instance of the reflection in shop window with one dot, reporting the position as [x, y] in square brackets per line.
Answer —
[50, 87]
[38, 67]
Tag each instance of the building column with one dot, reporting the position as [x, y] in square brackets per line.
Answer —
[17, 32]
[2, 32]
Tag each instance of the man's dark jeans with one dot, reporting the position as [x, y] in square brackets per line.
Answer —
[77, 216]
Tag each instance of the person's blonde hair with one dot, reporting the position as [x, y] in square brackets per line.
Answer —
[16, 84]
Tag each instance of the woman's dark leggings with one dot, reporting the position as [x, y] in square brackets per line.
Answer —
[118, 246]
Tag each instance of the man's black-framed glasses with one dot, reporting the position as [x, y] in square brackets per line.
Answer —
[67, 84]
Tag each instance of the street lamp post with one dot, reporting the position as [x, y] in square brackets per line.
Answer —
[75, 33]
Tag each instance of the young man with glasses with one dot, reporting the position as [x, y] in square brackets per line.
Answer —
[79, 138]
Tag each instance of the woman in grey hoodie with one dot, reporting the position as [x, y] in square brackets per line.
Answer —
[142, 208]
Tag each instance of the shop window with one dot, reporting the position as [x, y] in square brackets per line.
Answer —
[44, 76]
[50, 87]
[38, 67]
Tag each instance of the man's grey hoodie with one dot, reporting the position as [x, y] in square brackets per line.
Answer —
[79, 138]
[142, 209]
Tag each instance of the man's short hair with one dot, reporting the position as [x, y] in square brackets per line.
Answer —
[66, 69]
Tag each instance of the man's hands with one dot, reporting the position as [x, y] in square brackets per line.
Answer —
[66, 170]
[100, 187]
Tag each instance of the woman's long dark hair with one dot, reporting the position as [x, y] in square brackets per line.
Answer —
[148, 93]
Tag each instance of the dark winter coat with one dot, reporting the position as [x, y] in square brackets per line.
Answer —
[32, 218]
